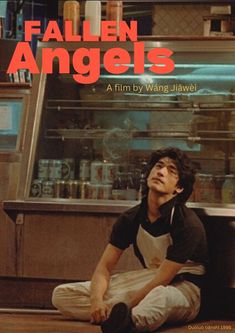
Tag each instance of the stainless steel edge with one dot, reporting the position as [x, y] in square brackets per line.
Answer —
[105, 207]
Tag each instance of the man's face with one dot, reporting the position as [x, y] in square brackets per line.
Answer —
[164, 177]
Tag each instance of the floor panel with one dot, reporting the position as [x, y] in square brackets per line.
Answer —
[55, 323]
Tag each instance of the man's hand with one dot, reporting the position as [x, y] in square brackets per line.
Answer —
[99, 311]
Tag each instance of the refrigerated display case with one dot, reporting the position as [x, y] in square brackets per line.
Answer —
[91, 142]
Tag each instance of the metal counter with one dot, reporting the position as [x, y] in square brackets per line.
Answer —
[105, 206]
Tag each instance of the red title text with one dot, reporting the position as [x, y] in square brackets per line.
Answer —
[86, 61]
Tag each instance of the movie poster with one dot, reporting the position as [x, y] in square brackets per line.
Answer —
[110, 83]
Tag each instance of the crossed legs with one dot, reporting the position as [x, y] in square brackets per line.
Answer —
[178, 302]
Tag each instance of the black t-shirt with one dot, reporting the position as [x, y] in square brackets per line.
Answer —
[187, 231]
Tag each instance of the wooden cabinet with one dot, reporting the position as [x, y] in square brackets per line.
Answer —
[14, 104]
[7, 245]
[64, 245]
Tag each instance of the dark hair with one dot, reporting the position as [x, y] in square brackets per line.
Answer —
[184, 165]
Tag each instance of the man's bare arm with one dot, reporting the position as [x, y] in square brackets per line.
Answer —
[165, 274]
[100, 281]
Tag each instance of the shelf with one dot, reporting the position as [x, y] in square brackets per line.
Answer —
[135, 134]
[100, 133]
[15, 85]
[124, 105]
[10, 156]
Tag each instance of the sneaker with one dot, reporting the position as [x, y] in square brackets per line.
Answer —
[119, 320]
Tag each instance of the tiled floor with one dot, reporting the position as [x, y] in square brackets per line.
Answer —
[55, 323]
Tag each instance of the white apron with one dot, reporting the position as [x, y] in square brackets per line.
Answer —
[154, 250]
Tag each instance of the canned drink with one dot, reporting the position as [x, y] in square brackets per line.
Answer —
[96, 172]
[83, 189]
[118, 194]
[94, 191]
[109, 171]
[105, 192]
[84, 170]
[36, 188]
[68, 168]
[59, 188]
[43, 169]
[55, 169]
[47, 189]
[131, 194]
[72, 189]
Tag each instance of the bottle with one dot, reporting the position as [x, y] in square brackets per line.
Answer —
[228, 189]
[119, 188]
[71, 12]
[86, 153]
[219, 180]
[93, 14]
[131, 193]
[114, 12]
[1, 27]
[83, 163]
[197, 189]
[142, 186]
[142, 182]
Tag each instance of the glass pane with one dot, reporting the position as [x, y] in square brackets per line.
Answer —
[10, 117]
[111, 127]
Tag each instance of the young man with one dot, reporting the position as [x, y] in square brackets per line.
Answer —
[170, 242]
